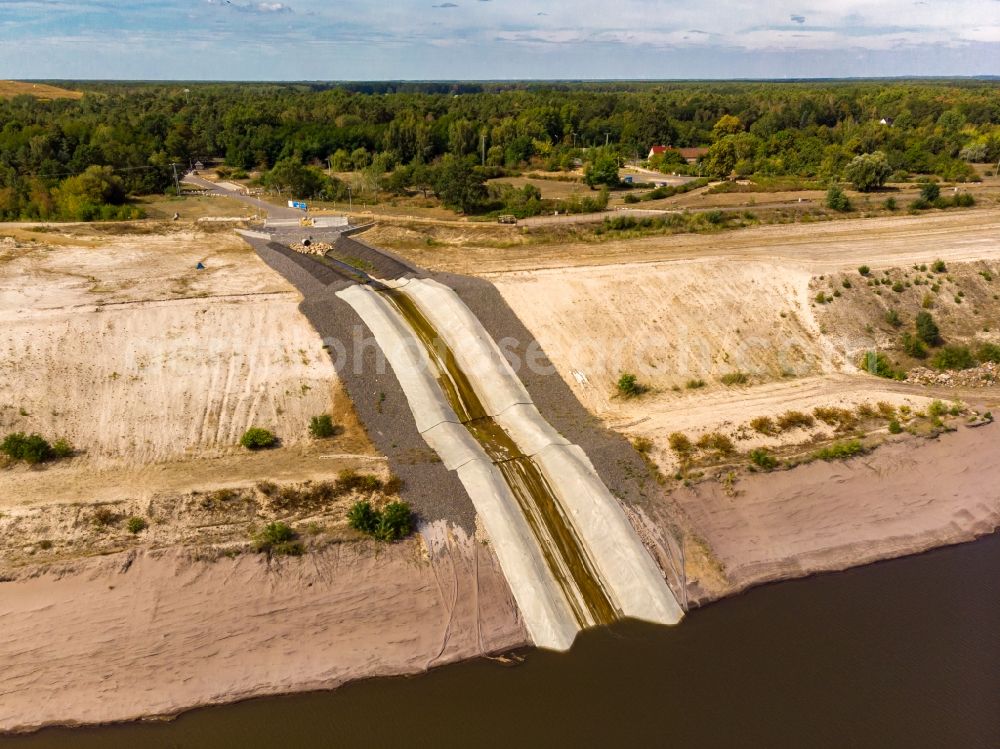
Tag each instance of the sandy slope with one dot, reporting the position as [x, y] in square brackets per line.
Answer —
[741, 301]
[137, 635]
[904, 498]
[667, 323]
[131, 353]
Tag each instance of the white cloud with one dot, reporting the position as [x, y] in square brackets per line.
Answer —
[251, 7]
[577, 36]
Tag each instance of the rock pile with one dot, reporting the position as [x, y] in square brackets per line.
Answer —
[313, 248]
[982, 376]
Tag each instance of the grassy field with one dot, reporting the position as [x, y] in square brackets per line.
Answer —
[10, 89]
[551, 189]
[191, 207]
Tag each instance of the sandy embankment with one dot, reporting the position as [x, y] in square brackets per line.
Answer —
[906, 497]
[668, 323]
[134, 635]
[153, 369]
[698, 319]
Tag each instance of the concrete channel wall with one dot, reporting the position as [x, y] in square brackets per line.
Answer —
[249, 234]
[633, 578]
[546, 615]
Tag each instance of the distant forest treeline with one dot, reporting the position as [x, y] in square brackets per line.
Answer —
[82, 159]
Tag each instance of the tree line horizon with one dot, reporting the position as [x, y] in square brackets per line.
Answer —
[86, 159]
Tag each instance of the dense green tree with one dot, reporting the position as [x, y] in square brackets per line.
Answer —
[727, 125]
[459, 184]
[927, 329]
[603, 170]
[301, 181]
[82, 197]
[463, 137]
[732, 153]
[868, 171]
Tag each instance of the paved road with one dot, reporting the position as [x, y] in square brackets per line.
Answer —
[654, 176]
[271, 210]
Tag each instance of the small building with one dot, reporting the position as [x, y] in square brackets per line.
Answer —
[691, 155]
[198, 166]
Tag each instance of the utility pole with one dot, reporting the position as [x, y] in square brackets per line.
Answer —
[607, 137]
[482, 146]
[177, 184]
[350, 199]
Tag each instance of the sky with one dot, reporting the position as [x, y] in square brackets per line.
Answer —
[496, 39]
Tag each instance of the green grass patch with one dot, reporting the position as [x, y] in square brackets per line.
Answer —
[735, 378]
[278, 539]
[763, 459]
[840, 450]
[392, 523]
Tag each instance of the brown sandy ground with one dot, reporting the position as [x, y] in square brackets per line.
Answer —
[193, 207]
[153, 370]
[153, 633]
[906, 497]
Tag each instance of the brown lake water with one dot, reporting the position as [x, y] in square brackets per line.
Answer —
[903, 654]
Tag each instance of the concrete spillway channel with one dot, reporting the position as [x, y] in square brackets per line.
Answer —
[569, 554]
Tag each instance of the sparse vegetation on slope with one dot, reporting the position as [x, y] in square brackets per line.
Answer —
[628, 386]
[392, 523]
[279, 539]
[257, 438]
[322, 427]
[33, 448]
[932, 306]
